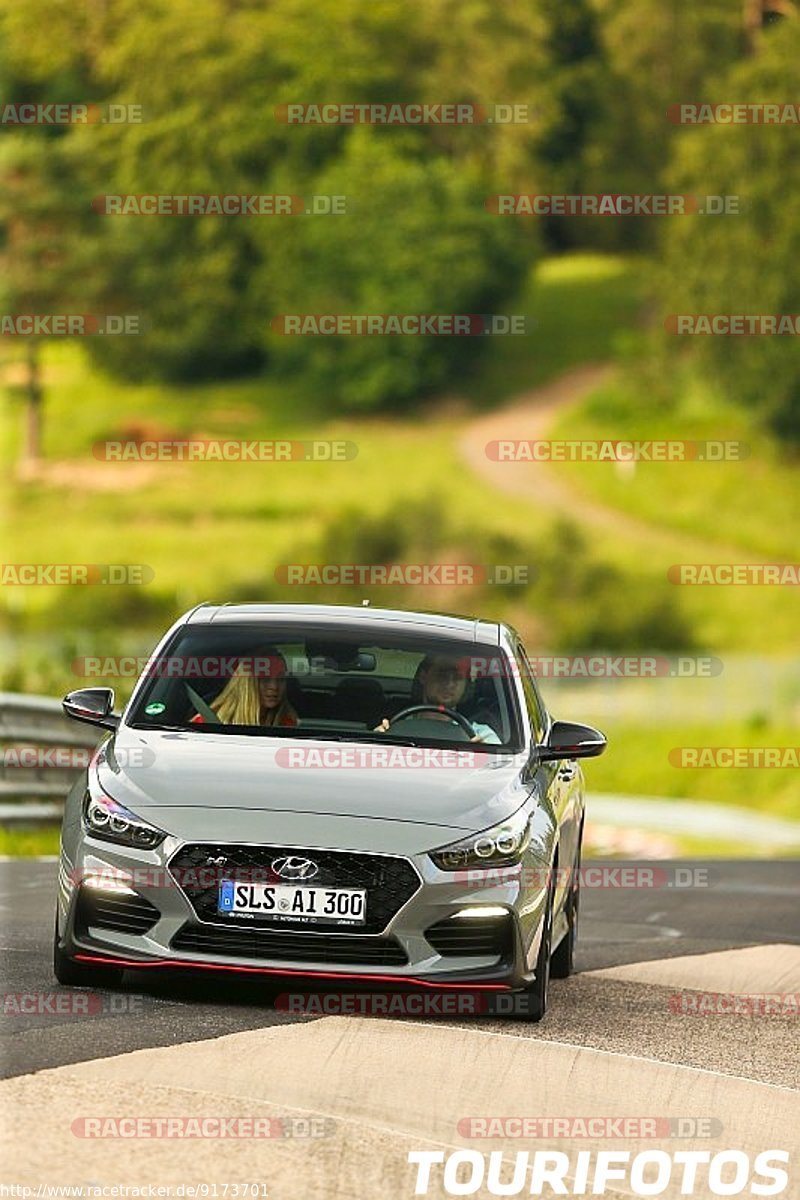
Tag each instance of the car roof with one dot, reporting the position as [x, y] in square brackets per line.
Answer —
[359, 618]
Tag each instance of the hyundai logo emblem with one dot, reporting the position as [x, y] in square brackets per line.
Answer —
[292, 867]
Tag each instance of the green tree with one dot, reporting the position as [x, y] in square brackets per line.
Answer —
[210, 75]
[416, 240]
[576, 107]
[46, 257]
[744, 263]
[656, 53]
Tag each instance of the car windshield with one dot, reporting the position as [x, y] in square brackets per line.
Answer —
[347, 685]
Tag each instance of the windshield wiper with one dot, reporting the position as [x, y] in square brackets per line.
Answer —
[369, 737]
[153, 725]
[319, 735]
[329, 735]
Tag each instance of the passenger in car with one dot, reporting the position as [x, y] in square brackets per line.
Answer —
[256, 693]
[443, 681]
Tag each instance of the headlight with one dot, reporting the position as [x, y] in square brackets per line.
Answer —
[104, 818]
[501, 846]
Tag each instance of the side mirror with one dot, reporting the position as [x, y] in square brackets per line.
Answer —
[95, 706]
[570, 740]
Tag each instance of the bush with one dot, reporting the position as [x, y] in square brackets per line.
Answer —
[575, 601]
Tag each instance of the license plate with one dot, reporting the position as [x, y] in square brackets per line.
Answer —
[292, 902]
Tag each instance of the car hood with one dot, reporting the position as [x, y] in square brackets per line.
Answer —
[177, 772]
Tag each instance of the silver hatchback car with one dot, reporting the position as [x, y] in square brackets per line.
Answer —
[363, 796]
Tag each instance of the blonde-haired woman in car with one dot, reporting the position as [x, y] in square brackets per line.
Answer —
[255, 694]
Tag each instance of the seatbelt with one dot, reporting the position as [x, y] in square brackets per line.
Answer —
[204, 709]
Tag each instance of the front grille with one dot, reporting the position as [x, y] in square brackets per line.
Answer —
[390, 882]
[123, 914]
[317, 948]
[472, 936]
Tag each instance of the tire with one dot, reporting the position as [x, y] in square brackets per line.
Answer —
[75, 974]
[536, 993]
[562, 963]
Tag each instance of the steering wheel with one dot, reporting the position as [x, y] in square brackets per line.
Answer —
[454, 716]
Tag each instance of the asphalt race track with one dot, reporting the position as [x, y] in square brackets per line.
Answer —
[620, 1040]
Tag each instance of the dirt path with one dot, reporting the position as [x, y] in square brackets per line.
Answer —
[532, 416]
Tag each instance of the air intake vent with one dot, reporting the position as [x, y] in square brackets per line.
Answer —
[472, 936]
[317, 949]
[108, 910]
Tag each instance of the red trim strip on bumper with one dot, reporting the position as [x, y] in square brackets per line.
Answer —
[136, 965]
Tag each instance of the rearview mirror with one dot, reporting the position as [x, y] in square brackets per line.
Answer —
[569, 740]
[95, 706]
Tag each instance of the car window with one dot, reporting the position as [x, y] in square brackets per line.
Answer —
[288, 680]
[533, 703]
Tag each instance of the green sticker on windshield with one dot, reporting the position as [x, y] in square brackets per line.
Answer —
[155, 710]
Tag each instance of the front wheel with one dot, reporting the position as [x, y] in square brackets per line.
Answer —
[536, 994]
[563, 961]
[75, 974]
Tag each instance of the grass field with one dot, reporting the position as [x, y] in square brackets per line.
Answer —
[215, 531]
[586, 308]
[637, 762]
[752, 507]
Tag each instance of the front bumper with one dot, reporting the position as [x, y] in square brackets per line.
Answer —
[163, 922]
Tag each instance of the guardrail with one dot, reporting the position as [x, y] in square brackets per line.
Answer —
[35, 771]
